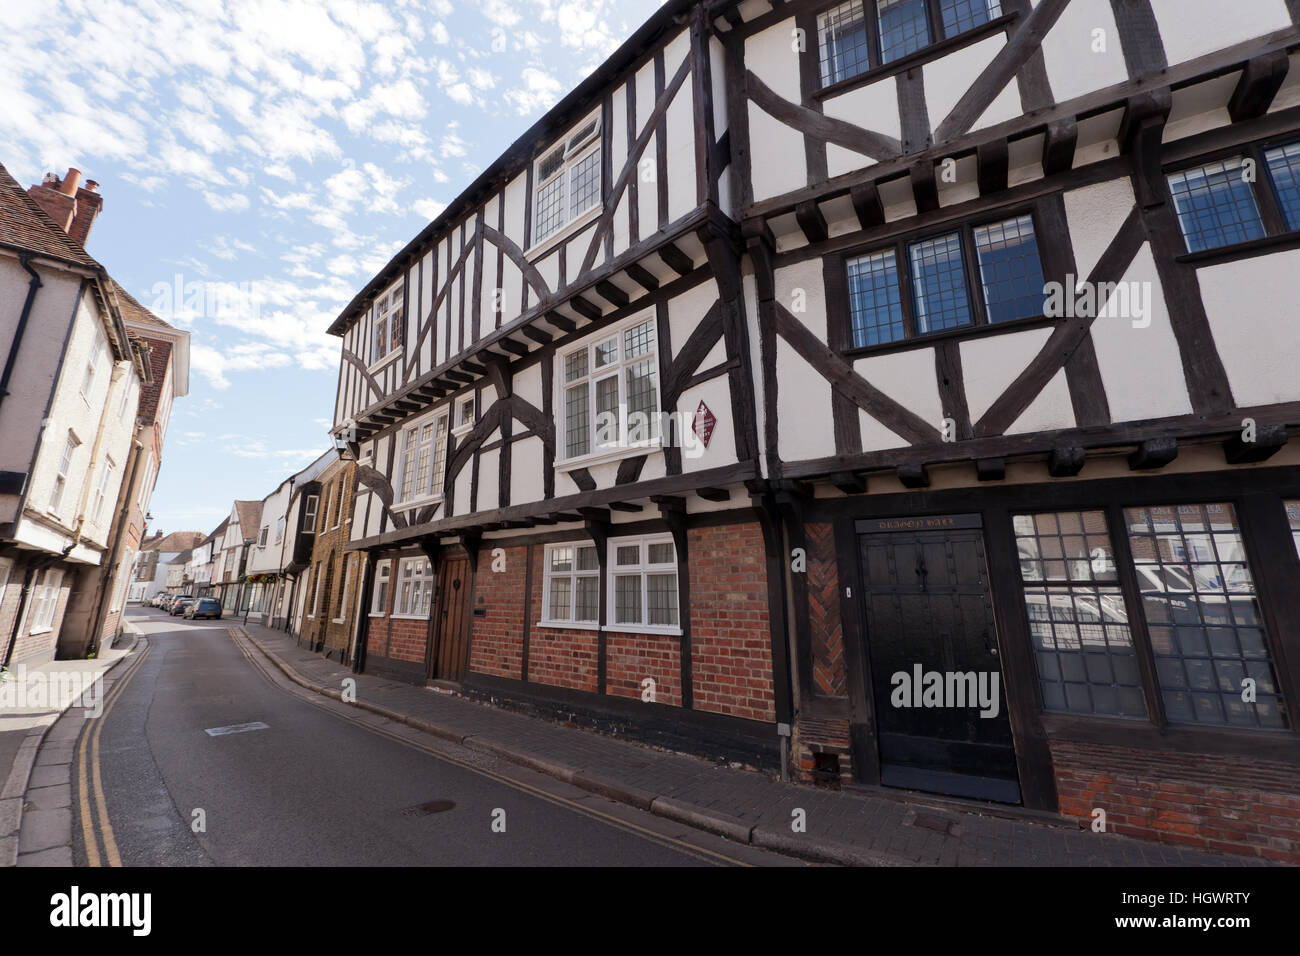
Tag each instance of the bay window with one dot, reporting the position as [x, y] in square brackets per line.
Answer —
[383, 580]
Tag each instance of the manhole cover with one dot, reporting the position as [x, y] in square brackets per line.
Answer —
[428, 809]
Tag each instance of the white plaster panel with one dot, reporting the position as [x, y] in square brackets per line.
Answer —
[722, 444]
[803, 401]
[687, 311]
[1250, 304]
[909, 379]
[489, 475]
[1141, 367]
[991, 363]
[1095, 214]
[786, 167]
[948, 78]
[680, 127]
[806, 278]
[1049, 411]
[1072, 67]
[1192, 28]
[771, 57]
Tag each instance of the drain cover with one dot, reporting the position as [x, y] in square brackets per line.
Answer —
[428, 809]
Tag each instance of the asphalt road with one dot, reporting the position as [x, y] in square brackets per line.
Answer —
[327, 785]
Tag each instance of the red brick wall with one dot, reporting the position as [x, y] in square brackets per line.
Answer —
[558, 657]
[1228, 804]
[824, 737]
[38, 648]
[497, 638]
[731, 647]
[402, 639]
[631, 658]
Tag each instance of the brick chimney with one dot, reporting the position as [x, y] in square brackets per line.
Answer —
[71, 205]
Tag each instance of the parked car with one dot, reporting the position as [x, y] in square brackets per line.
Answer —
[180, 604]
[203, 607]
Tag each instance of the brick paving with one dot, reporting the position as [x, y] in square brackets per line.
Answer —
[852, 827]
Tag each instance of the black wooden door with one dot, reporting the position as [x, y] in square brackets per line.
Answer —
[928, 613]
[451, 632]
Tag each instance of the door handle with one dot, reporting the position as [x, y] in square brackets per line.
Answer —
[990, 646]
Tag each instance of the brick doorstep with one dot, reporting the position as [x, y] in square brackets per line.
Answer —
[847, 828]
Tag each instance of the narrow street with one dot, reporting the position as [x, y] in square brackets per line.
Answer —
[322, 784]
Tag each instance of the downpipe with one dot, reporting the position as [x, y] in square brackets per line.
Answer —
[25, 260]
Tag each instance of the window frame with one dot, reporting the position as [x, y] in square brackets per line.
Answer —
[64, 471]
[1054, 261]
[939, 43]
[547, 619]
[47, 601]
[623, 447]
[1195, 735]
[106, 469]
[382, 587]
[421, 589]
[391, 300]
[572, 157]
[310, 507]
[435, 443]
[345, 584]
[644, 569]
[1264, 190]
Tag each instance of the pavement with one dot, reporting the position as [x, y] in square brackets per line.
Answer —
[853, 827]
[35, 755]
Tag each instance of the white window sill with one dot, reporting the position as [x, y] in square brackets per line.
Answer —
[618, 454]
[569, 625]
[565, 232]
[410, 617]
[377, 614]
[417, 502]
[40, 630]
[657, 630]
[384, 362]
[460, 430]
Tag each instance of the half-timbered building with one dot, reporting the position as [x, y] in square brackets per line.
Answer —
[909, 377]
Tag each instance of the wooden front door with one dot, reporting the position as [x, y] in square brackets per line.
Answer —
[451, 627]
[936, 681]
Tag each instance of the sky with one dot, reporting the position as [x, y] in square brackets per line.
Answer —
[260, 161]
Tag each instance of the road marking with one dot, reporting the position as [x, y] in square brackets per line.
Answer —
[236, 729]
[315, 699]
[92, 796]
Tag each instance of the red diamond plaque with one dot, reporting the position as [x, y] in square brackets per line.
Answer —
[703, 423]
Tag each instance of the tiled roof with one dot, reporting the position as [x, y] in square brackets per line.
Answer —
[250, 517]
[176, 541]
[133, 311]
[25, 225]
[183, 557]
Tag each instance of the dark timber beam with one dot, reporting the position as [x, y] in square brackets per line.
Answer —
[1269, 440]
[1066, 461]
[668, 503]
[1259, 83]
[464, 378]
[537, 335]
[866, 203]
[612, 293]
[991, 469]
[513, 347]
[849, 482]
[563, 323]
[925, 188]
[595, 514]
[676, 260]
[811, 221]
[626, 507]
[1059, 142]
[714, 494]
[585, 308]
[1153, 453]
[473, 367]
[642, 276]
[914, 476]
[992, 160]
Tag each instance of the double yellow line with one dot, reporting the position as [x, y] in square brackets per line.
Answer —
[89, 778]
[311, 697]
